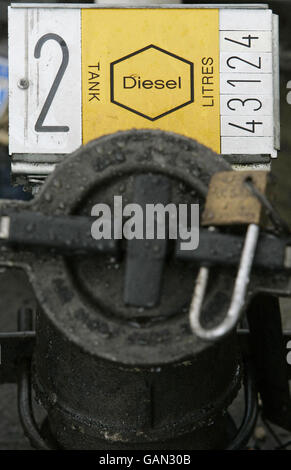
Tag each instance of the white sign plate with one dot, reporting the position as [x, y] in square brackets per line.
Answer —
[55, 106]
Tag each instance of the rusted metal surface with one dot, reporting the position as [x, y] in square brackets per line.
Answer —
[230, 202]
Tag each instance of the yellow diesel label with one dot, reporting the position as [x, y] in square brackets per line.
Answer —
[151, 69]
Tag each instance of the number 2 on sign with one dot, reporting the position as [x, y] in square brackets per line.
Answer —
[39, 127]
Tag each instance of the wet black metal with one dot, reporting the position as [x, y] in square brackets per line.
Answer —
[93, 403]
[25, 407]
[224, 249]
[112, 375]
[268, 352]
[63, 233]
[145, 258]
[251, 410]
[71, 235]
[14, 347]
[24, 389]
[82, 292]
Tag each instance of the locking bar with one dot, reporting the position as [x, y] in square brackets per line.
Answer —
[65, 233]
[71, 234]
[224, 249]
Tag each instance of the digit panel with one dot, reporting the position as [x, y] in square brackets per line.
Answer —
[246, 82]
[59, 100]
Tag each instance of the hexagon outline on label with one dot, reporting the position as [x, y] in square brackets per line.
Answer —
[151, 46]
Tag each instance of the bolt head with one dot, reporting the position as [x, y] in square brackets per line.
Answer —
[23, 83]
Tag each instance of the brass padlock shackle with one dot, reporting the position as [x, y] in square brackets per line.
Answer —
[238, 296]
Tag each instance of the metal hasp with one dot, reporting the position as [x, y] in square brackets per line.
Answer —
[239, 292]
[230, 202]
[110, 373]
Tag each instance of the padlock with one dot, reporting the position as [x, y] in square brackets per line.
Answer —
[231, 201]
